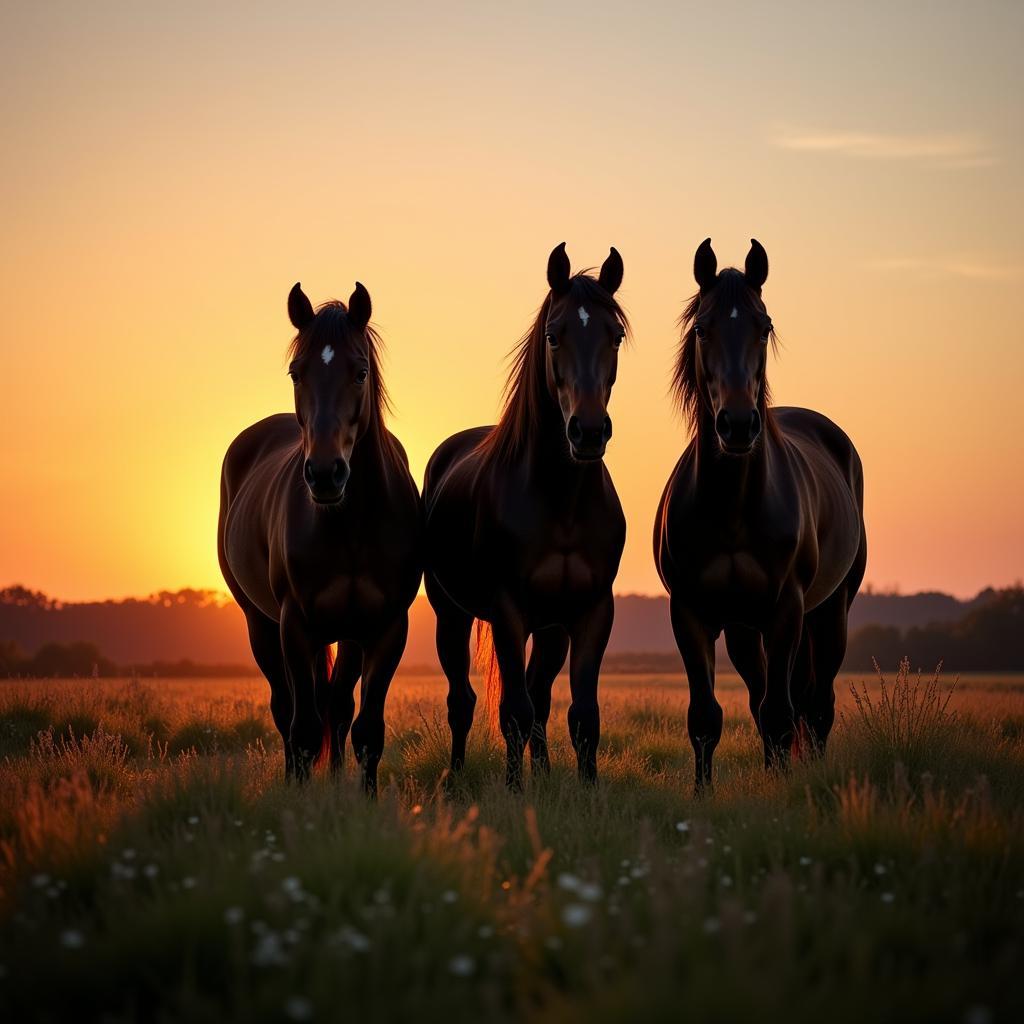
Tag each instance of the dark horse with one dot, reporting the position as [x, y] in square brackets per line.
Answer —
[525, 530]
[760, 530]
[320, 539]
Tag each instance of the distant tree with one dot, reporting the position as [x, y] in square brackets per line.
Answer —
[74, 659]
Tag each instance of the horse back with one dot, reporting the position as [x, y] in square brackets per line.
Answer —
[823, 444]
[270, 436]
[446, 455]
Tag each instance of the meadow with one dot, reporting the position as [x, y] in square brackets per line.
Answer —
[154, 865]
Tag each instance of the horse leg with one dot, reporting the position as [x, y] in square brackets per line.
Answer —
[380, 660]
[589, 640]
[452, 636]
[696, 643]
[341, 704]
[550, 646]
[827, 625]
[746, 652]
[306, 731]
[265, 641]
[782, 642]
[515, 711]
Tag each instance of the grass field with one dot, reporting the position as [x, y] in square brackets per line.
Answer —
[153, 866]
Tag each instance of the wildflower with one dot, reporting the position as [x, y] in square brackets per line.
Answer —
[568, 881]
[888, 897]
[576, 915]
[292, 886]
[233, 915]
[712, 925]
[151, 870]
[355, 940]
[682, 826]
[193, 819]
[725, 881]
[40, 881]
[977, 1015]
[553, 942]
[749, 917]
[298, 1008]
[449, 896]
[589, 891]
[461, 966]
[269, 952]
[879, 869]
[805, 861]
[485, 931]
[72, 938]
[238, 822]
[128, 854]
[623, 880]
[188, 882]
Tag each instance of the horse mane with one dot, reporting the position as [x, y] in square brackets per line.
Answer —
[526, 390]
[731, 289]
[330, 326]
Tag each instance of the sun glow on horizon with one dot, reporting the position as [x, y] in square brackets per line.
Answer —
[157, 219]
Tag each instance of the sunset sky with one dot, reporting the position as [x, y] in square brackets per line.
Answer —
[167, 175]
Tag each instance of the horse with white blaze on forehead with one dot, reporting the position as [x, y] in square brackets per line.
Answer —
[320, 539]
[525, 530]
[760, 530]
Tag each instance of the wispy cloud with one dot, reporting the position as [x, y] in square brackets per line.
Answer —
[978, 270]
[950, 150]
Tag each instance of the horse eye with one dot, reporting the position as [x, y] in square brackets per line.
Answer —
[619, 339]
[551, 340]
[294, 376]
[362, 375]
[699, 332]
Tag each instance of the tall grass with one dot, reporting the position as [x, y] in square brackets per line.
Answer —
[142, 881]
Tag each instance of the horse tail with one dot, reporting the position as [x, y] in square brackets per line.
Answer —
[323, 668]
[485, 660]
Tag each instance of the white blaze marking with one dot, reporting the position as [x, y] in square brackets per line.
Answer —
[735, 313]
[327, 355]
[584, 315]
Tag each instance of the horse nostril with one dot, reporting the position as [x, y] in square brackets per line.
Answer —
[308, 474]
[573, 430]
[755, 425]
[606, 431]
[723, 426]
[341, 472]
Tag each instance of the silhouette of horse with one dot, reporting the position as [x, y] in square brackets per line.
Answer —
[320, 539]
[525, 530]
[760, 529]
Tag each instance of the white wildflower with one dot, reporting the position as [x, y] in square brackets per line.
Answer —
[576, 915]
[462, 966]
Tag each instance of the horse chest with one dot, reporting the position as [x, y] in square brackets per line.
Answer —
[732, 571]
[559, 572]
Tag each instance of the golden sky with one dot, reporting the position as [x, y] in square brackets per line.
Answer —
[167, 175]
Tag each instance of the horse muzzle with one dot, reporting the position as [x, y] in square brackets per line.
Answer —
[326, 481]
[588, 441]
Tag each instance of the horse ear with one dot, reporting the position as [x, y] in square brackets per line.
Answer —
[300, 309]
[705, 266]
[755, 270]
[359, 308]
[611, 272]
[558, 270]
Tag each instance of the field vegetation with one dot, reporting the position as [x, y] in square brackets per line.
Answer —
[154, 866]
